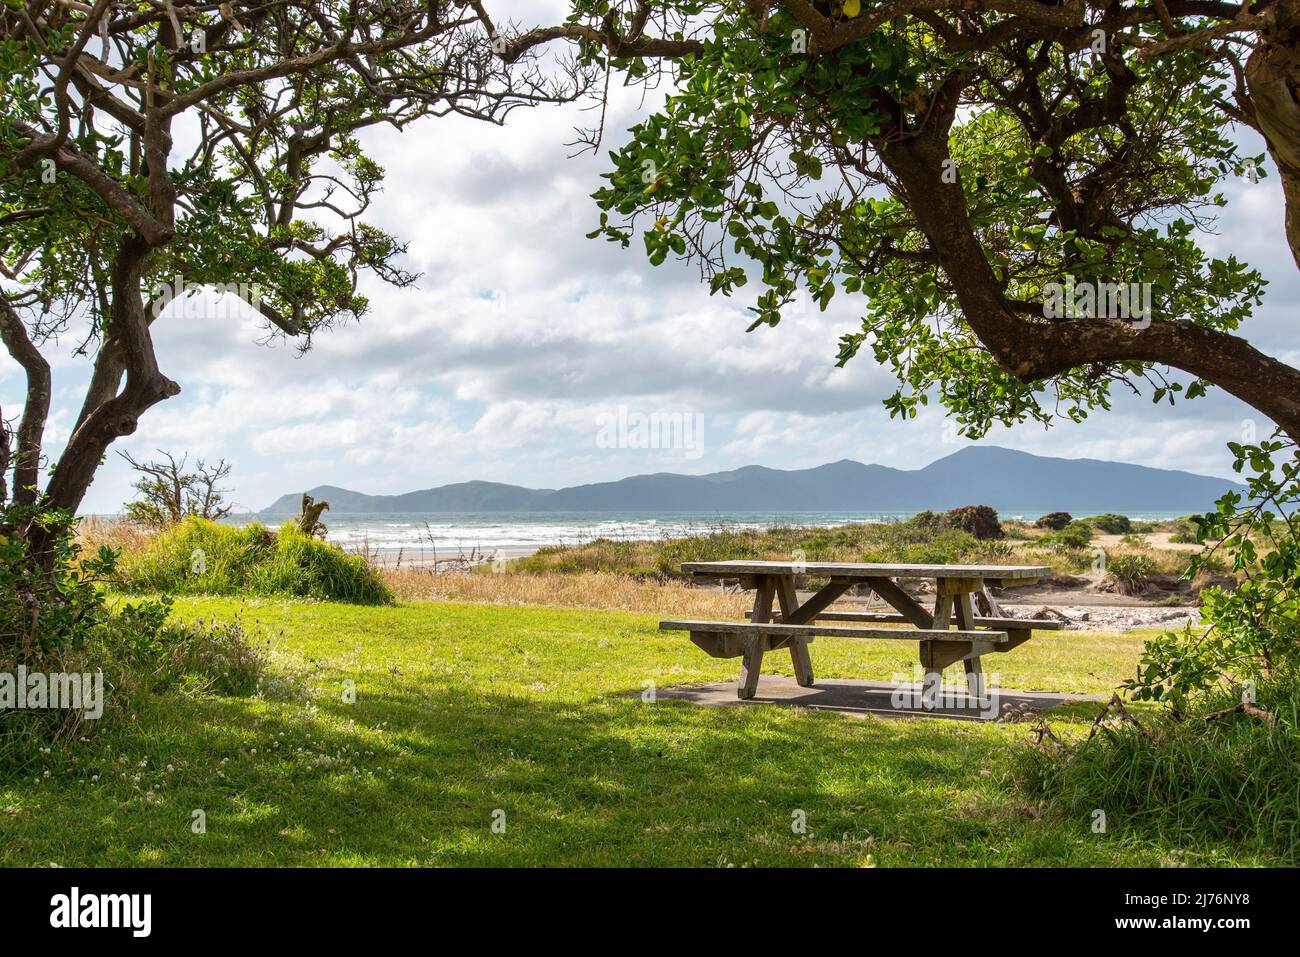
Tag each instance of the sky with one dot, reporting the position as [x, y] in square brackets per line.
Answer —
[522, 339]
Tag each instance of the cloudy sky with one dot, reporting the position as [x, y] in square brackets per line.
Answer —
[521, 334]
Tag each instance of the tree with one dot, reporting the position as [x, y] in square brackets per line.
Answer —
[151, 151]
[966, 169]
[169, 494]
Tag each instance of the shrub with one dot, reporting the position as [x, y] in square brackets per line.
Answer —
[718, 547]
[1111, 524]
[140, 653]
[49, 604]
[203, 557]
[1054, 521]
[1130, 571]
[1075, 535]
[926, 519]
[978, 520]
[51, 612]
[1253, 630]
[218, 657]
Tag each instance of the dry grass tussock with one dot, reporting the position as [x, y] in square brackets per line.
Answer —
[575, 590]
[94, 531]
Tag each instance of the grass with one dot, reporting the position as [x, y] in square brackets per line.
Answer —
[202, 557]
[1230, 776]
[464, 710]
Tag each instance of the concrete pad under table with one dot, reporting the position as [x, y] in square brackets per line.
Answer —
[860, 698]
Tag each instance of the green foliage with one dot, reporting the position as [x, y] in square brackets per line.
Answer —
[1185, 779]
[1016, 530]
[926, 519]
[240, 216]
[1111, 524]
[54, 619]
[1054, 521]
[768, 165]
[47, 603]
[1253, 630]
[202, 557]
[1077, 534]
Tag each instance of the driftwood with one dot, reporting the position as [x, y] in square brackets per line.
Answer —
[1254, 710]
[1117, 704]
[309, 522]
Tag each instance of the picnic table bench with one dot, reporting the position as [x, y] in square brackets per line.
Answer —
[794, 625]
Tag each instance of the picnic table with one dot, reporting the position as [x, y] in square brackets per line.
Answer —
[957, 590]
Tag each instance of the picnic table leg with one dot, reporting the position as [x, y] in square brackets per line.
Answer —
[802, 661]
[751, 662]
[933, 670]
[974, 678]
[974, 667]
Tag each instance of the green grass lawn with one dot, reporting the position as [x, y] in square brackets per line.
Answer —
[463, 711]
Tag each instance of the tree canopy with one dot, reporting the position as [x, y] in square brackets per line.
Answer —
[150, 150]
[961, 167]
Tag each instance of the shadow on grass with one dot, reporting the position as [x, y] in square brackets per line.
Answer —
[419, 774]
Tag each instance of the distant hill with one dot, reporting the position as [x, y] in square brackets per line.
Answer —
[977, 475]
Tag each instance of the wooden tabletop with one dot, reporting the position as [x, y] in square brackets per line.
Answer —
[865, 570]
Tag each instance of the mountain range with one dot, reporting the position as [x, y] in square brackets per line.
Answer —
[976, 475]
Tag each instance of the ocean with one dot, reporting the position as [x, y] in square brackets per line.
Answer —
[447, 535]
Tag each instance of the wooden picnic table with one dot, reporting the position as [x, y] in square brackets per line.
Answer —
[793, 626]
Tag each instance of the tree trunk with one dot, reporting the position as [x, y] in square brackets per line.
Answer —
[145, 386]
[25, 456]
[1273, 80]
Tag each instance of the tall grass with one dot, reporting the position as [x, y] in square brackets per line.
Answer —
[894, 542]
[1235, 777]
[200, 557]
[575, 590]
[94, 531]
